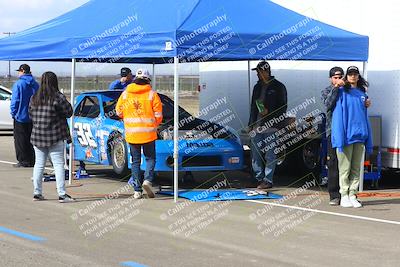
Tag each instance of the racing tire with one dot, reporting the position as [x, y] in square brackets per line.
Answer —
[188, 177]
[309, 160]
[281, 158]
[310, 155]
[119, 157]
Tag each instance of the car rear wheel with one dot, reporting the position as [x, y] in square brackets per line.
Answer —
[310, 156]
[309, 159]
[280, 158]
[119, 157]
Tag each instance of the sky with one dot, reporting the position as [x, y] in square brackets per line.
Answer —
[378, 21]
[19, 15]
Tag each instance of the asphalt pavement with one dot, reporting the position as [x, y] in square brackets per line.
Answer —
[105, 226]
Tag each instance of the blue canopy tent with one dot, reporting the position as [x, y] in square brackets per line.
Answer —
[169, 31]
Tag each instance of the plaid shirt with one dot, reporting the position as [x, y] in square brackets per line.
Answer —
[49, 122]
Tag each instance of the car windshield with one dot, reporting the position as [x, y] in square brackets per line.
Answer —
[4, 95]
[168, 108]
[109, 109]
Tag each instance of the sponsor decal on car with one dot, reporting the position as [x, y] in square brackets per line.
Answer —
[200, 144]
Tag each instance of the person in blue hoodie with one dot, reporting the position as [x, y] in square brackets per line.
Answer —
[351, 134]
[124, 81]
[23, 89]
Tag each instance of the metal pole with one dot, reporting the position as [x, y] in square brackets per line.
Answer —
[361, 185]
[249, 82]
[176, 128]
[365, 69]
[9, 70]
[71, 146]
[9, 62]
[153, 80]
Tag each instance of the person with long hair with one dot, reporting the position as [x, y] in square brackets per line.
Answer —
[351, 134]
[49, 109]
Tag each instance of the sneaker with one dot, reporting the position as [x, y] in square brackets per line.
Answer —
[264, 185]
[355, 202]
[147, 187]
[137, 195]
[334, 202]
[65, 198]
[345, 202]
[23, 165]
[17, 165]
[38, 197]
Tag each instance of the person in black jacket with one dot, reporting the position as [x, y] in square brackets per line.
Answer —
[329, 97]
[49, 110]
[268, 108]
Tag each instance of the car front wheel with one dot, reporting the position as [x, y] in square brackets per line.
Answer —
[119, 157]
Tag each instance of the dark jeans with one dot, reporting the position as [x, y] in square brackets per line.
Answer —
[22, 142]
[149, 150]
[333, 171]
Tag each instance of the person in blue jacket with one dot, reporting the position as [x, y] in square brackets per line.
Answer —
[351, 134]
[329, 98]
[124, 81]
[23, 89]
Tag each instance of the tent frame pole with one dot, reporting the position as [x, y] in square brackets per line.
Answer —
[249, 82]
[153, 80]
[176, 127]
[71, 146]
[361, 185]
[365, 69]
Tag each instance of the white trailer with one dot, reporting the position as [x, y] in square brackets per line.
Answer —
[304, 80]
[230, 80]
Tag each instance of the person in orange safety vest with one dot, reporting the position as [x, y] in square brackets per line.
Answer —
[141, 109]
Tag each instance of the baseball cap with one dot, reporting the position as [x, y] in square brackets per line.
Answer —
[24, 68]
[336, 71]
[142, 74]
[352, 69]
[125, 72]
[262, 65]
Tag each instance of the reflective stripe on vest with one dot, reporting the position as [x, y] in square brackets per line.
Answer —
[157, 114]
[139, 120]
[140, 129]
[151, 95]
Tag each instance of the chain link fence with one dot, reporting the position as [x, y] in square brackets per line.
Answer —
[188, 87]
[164, 83]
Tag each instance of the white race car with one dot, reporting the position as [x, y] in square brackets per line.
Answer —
[6, 122]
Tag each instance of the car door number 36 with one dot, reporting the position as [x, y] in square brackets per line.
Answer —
[84, 134]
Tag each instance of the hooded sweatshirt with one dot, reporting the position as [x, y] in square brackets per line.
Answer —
[350, 122]
[24, 88]
[117, 85]
[141, 109]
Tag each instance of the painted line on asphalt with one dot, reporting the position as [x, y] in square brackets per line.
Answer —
[20, 234]
[9, 162]
[52, 169]
[326, 212]
[132, 264]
